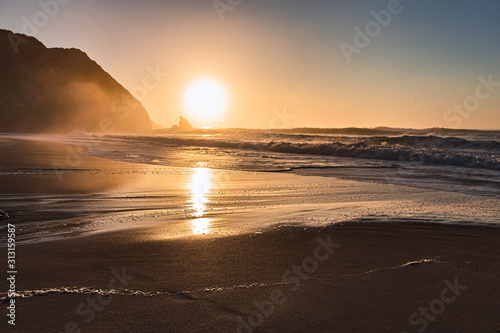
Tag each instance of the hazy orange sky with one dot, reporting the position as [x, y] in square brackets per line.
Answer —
[304, 57]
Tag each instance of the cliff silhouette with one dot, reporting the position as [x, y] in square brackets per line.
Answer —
[56, 90]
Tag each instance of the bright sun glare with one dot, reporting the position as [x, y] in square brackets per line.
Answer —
[206, 100]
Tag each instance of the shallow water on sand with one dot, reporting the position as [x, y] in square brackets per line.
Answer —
[199, 192]
[203, 201]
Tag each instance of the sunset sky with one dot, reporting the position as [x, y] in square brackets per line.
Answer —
[281, 61]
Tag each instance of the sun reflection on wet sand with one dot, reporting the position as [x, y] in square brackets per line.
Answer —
[200, 226]
[200, 186]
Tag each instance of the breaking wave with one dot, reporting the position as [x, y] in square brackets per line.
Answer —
[453, 151]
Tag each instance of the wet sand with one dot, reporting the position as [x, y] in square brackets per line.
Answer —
[362, 286]
[365, 277]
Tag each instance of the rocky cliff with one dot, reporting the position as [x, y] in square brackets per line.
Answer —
[55, 90]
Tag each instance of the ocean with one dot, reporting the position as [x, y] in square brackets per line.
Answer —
[466, 161]
[233, 181]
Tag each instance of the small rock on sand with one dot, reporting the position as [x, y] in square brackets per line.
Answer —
[3, 215]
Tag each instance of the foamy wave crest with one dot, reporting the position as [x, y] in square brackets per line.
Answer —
[437, 142]
[415, 149]
[128, 292]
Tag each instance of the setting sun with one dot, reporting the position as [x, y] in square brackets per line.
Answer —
[205, 100]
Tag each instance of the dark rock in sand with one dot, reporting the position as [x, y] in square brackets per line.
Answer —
[3, 215]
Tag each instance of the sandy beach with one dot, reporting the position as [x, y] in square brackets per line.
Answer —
[254, 253]
[377, 277]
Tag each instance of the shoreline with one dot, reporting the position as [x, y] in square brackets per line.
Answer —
[102, 195]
